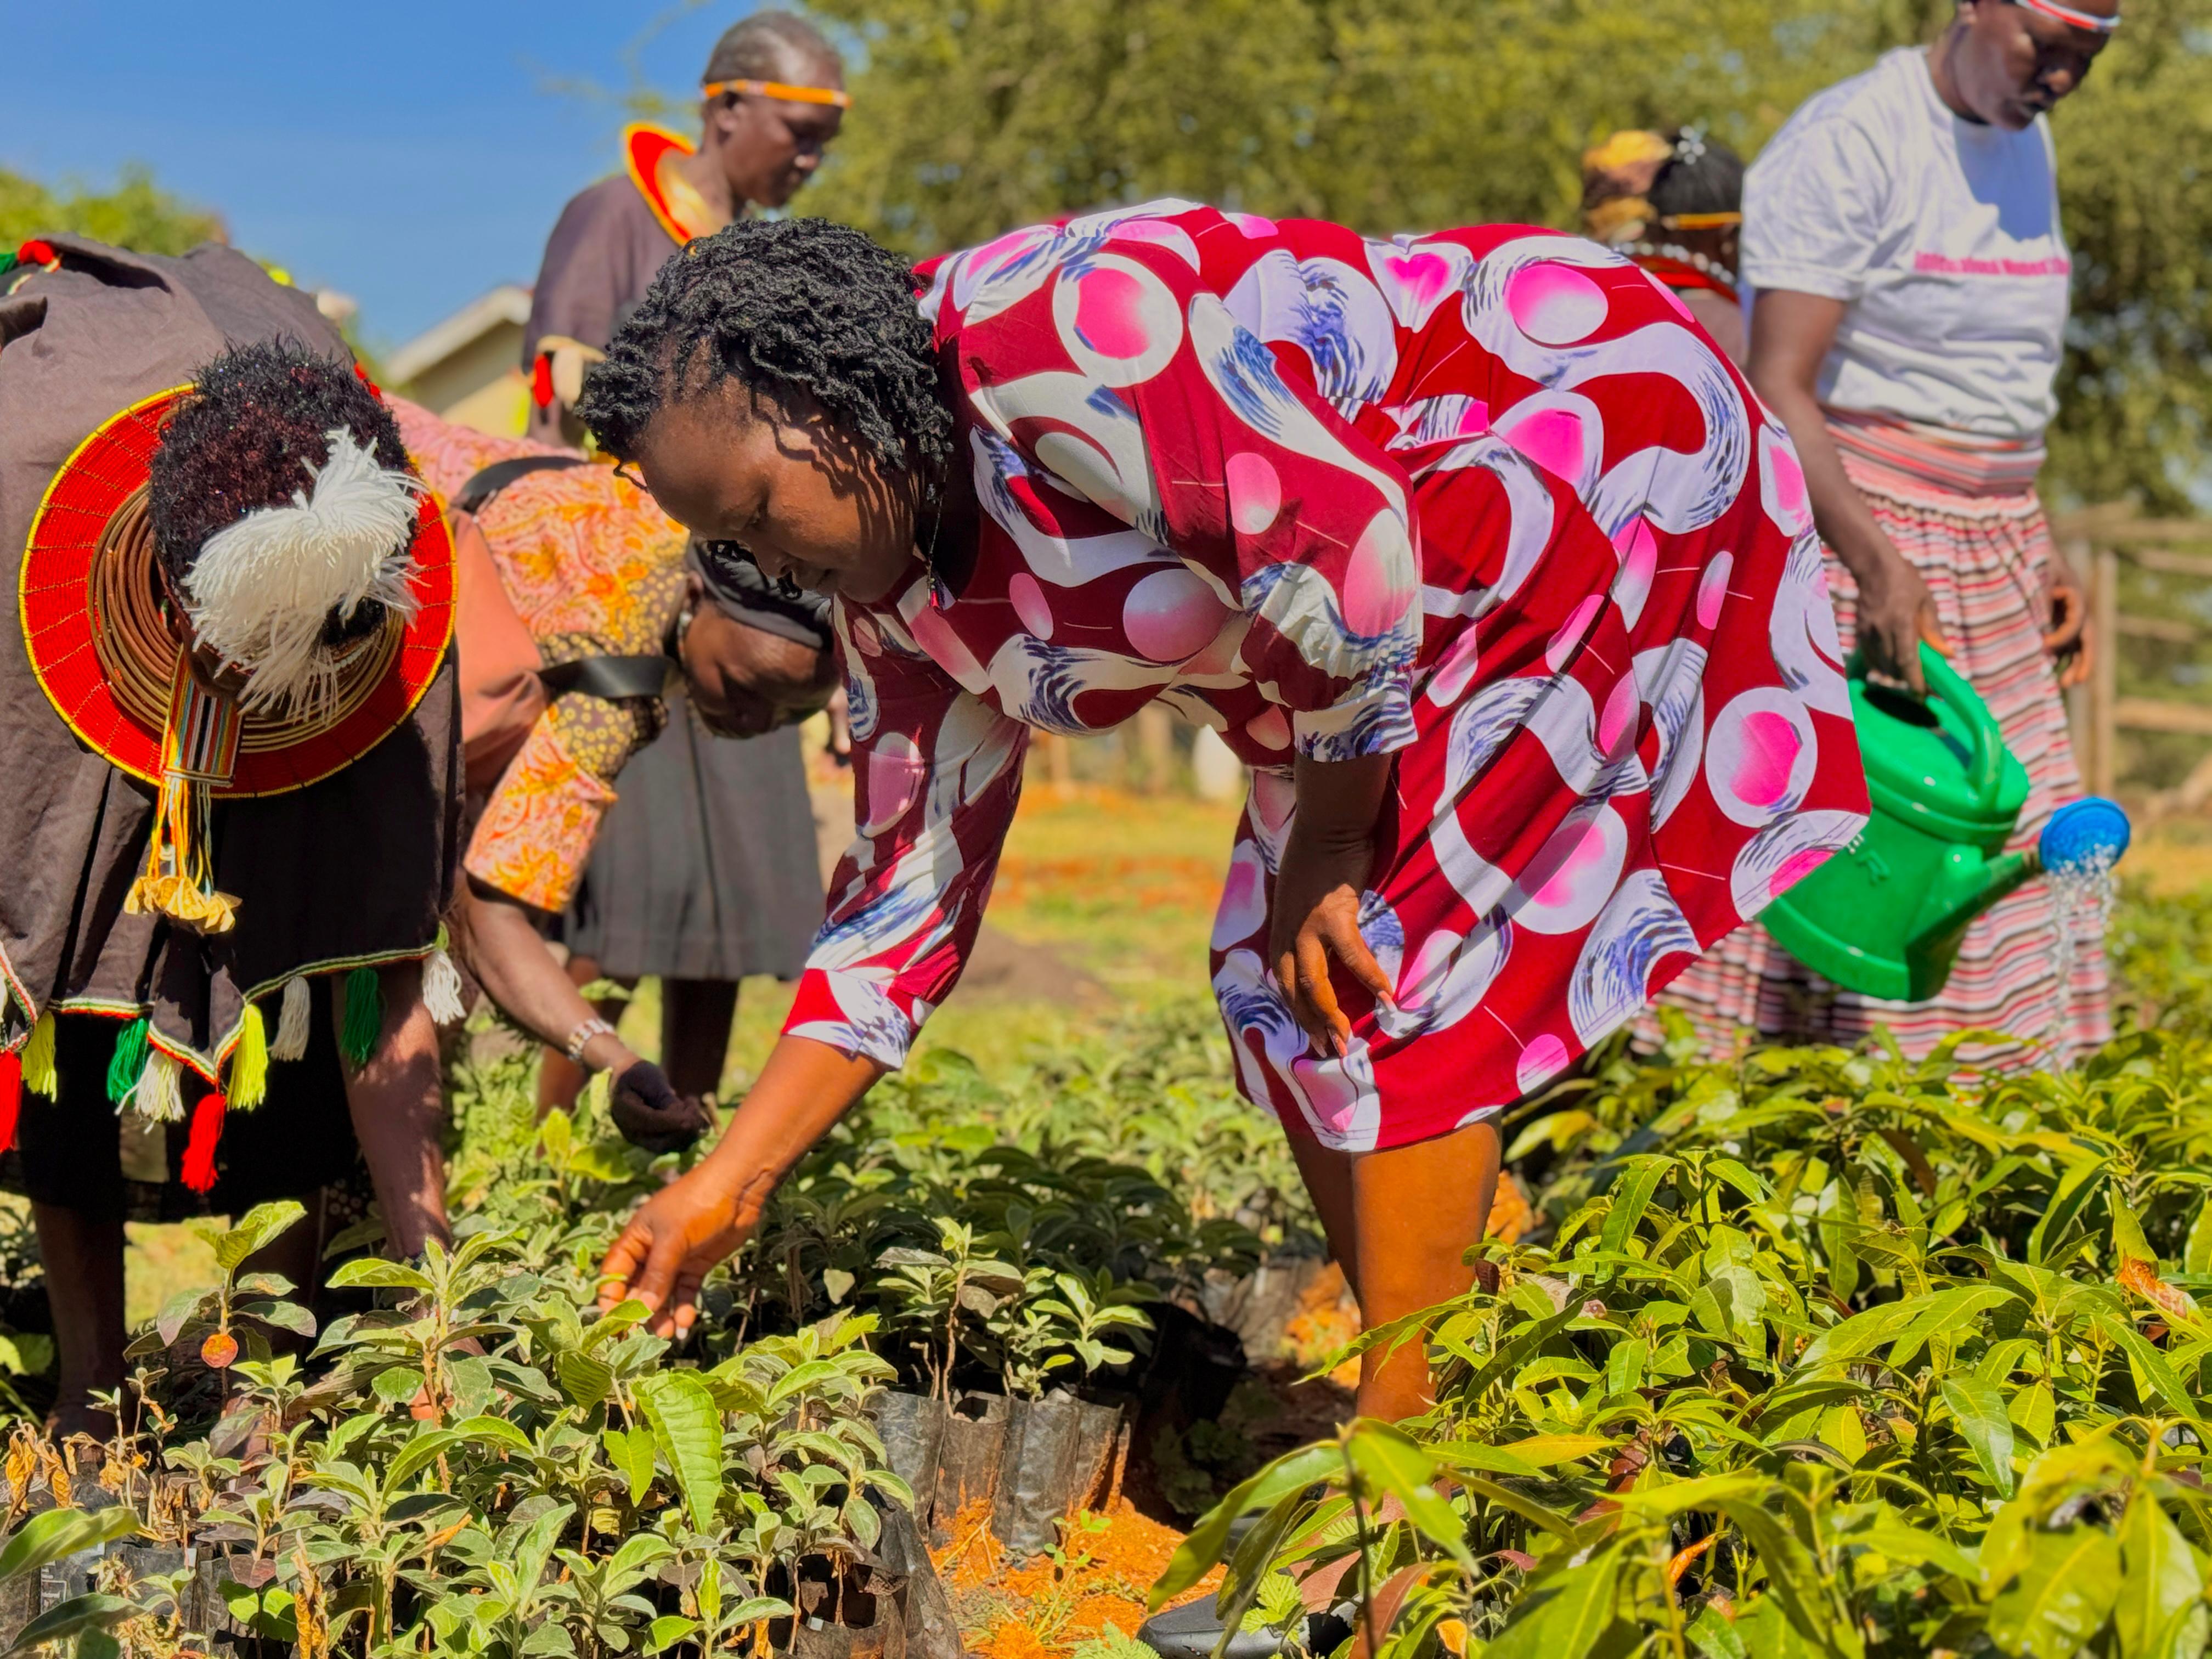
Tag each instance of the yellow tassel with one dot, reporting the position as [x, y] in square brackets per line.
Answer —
[249, 1062]
[179, 881]
[40, 1075]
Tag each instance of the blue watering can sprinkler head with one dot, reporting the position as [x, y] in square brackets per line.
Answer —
[2083, 836]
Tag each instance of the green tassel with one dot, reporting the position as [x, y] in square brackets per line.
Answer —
[129, 1062]
[364, 1016]
[249, 1062]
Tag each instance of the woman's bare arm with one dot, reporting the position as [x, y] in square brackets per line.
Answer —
[680, 1232]
[1790, 334]
[495, 936]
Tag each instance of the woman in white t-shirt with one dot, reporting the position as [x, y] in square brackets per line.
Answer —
[1902, 240]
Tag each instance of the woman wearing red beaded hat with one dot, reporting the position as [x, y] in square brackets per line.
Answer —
[234, 765]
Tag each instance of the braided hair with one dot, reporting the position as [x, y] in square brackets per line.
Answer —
[791, 305]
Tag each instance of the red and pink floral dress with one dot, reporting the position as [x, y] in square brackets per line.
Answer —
[1487, 501]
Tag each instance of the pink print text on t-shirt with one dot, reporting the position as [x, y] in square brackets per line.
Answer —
[1944, 265]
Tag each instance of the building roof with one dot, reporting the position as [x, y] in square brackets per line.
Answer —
[506, 306]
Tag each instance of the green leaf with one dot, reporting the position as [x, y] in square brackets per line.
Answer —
[1888, 1534]
[494, 1432]
[2154, 1377]
[1715, 1638]
[1567, 1613]
[418, 1454]
[667, 1630]
[284, 1316]
[585, 1381]
[1861, 1334]
[79, 1613]
[396, 1385]
[1202, 1548]
[2196, 1254]
[688, 1429]
[630, 1450]
[1400, 1467]
[47, 1538]
[371, 1273]
[1980, 1408]
[799, 1378]
[1631, 1196]
[177, 1312]
[2128, 1241]
[2065, 1587]
[256, 1229]
[756, 1608]
[2159, 1578]
[1546, 1451]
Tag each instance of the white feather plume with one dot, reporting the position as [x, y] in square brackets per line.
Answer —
[263, 589]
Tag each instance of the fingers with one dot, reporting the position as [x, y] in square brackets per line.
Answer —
[683, 1305]
[621, 1264]
[1931, 628]
[1290, 977]
[1330, 1029]
[2076, 672]
[2068, 617]
[656, 1286]
[1352, 951]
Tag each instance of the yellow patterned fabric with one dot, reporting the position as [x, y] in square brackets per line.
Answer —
[535, 838]
[594, 568]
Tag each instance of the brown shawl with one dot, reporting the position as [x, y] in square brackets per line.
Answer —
[353, 870]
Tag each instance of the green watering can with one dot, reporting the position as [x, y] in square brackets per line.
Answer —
[1884, 917]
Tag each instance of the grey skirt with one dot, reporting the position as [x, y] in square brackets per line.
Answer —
[706, 866]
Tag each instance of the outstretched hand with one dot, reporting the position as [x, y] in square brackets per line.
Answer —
[680, 1233]
[675, 1239]
[1315, 921]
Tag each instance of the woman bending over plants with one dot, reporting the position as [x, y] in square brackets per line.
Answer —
[1471, 545]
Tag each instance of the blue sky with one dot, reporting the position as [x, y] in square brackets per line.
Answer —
[409, 153]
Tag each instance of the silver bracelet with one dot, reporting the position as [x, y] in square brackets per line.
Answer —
[580, 1038]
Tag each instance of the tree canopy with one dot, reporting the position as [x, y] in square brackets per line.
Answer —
[975, 116]
[135, 214]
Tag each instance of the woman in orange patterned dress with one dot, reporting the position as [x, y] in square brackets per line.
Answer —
[574, 599]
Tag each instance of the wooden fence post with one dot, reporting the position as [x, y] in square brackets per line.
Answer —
[2105, 673]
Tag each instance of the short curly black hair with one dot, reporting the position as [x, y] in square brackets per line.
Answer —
[797, 304]
[256, 419]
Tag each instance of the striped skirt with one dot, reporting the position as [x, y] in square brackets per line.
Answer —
[1970, 521]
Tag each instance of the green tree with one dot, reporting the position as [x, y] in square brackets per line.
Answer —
[135, 214]
[2135, 159]
[975, 117]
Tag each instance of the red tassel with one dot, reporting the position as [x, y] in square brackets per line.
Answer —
[362, 374]
[200, 1144]
[36, 253]
[541, 380]
[11, 1096]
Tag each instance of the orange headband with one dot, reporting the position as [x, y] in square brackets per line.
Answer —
[1700, 221]
[829, 95]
